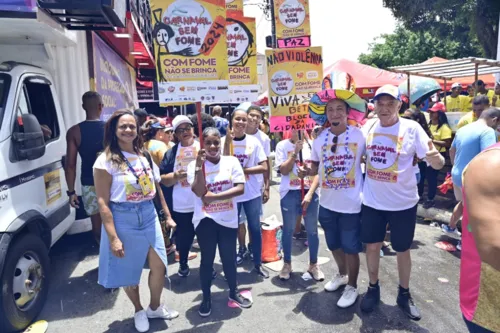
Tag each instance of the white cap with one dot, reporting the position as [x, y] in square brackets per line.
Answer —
[456, 85]
[179, 120]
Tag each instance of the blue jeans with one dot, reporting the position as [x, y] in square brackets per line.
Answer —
[252, 212]
[290, 209]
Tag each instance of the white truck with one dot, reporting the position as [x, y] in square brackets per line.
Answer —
[43, 73]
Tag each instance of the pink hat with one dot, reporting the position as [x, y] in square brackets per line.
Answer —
[438, 107]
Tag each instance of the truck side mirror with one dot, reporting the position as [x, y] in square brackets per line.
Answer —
[30, 143]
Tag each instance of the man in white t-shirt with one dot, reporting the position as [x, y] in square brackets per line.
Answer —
[390, 192]
[336, 156]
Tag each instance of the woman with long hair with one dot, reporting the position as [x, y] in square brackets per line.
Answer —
[250, 154]
[441, 137]
[216, 181]
[126, 184]
[292, 204]
[173, 169]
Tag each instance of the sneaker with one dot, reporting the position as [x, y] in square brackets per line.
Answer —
[446, 229]
[241, 255]
[459, 246]
[337, 282]
[184, 271]
[428, 204]
[261, 271]
[242, 302]
[141, 321]
[371, 299]
[381, 253]
[300, 235]
[250, 253]
[348, 298]
[285, 272]
[316, 273]
[405, 302]
[162, 312]
[205, 308]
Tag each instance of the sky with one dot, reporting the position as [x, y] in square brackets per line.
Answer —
[344, 28]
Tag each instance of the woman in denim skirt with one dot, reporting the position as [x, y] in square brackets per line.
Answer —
[126, 184]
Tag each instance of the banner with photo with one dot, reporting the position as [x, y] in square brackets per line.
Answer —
[113, 78]
[190, 46]
[293, 27]
[235, 6]
[241, 35]
[294, 75]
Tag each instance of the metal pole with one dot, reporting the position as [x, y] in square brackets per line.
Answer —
[498, 49]
[274, 43]
[476, 78]
[200, 130]
[409, 91]
[445, 93]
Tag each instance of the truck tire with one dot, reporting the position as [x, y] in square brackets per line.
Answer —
[24, 282]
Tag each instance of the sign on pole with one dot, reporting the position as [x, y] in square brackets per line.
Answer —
[241, 35]
[190, 46]
[294, 75]
[292, 23]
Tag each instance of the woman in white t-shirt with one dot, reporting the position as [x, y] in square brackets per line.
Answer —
[174, 178]
[292, 203]
[126, 184]
[216, 181]
[252, 158]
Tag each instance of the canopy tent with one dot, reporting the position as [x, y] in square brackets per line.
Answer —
[367, 79]
[488, 79]
[449, 70]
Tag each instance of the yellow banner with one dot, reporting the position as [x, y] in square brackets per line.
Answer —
[241, 49]
[294, 75]
[190, 46]
[235, 6]
[292, 18]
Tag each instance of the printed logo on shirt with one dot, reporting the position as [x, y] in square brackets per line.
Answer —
[185, 156]
[218, 186]
[294, 178]
[382, 157]
[340, 166]
[242, 153]
[133, 190]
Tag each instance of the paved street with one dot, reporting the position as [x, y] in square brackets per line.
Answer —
[77, 304]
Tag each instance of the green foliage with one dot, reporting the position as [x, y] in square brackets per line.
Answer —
[469, 21]
[405, 47]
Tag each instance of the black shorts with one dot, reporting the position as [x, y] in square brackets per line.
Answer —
[401, 223]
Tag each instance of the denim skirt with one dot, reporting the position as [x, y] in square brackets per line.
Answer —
[138, 228]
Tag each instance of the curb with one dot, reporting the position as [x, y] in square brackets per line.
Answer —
[435, 214]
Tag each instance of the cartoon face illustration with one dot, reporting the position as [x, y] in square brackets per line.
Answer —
[163, 33]
[239, 42]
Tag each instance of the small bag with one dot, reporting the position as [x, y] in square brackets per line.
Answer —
[159, 210]
[271, 244]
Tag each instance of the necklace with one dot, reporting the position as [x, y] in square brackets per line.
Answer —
[344, 183]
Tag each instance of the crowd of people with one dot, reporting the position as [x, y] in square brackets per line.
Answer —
[155, 187]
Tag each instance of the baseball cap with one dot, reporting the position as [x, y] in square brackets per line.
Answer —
[456, 85]
[388, 90]
[168, 128]
[157, 125]
[439, 106]
[179, 120]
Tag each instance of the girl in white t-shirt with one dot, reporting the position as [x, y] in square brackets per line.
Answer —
[126, 184]
[216, 181]
[252, 158]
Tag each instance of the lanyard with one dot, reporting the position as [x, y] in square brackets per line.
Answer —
[132, 168]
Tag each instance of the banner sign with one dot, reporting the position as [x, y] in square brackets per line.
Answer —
[215, 91]
[241, 55]
[147, 91]
[190, 43]
[294, 75]
[234, 6]
[28, 6]
[292, 23]
[113, 79]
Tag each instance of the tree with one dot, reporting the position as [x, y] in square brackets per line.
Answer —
[405, 47]
[454, 19]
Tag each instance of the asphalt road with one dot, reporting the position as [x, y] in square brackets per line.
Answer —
[77, 303]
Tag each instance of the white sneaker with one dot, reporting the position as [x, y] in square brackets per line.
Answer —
[348, 298]
[162, 312]
[337, 282]
[141, 321]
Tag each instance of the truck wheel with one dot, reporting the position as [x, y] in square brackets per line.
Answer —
[24, 283]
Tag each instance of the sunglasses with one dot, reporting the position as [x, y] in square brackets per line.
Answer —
[334, 144]
[182, 130]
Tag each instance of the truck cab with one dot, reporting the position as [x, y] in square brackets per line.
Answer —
[34, 207]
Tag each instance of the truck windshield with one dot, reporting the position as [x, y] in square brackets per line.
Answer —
[4, 92]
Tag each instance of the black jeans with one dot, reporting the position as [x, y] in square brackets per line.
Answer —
[423, 171]
[432, 182]
[210, 234]
[475, 328]
[184, 235]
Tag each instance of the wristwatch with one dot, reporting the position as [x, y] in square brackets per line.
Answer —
[70, 193]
